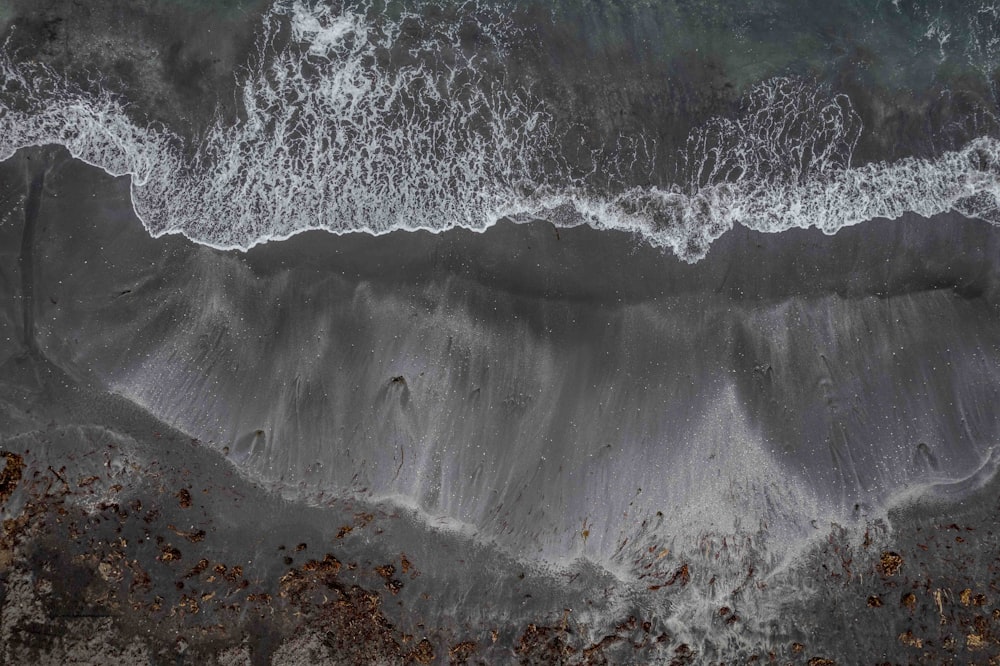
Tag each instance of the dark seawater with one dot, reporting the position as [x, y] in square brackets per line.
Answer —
[649, 332]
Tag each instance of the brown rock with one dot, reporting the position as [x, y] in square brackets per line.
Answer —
[460, 652]
[890, 563]
[184, 498]
[10, 475]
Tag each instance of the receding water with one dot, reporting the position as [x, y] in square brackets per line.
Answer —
[546, 279]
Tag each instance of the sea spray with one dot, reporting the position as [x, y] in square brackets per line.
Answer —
[334, 135]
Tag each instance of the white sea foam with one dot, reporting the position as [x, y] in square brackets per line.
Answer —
[332, 139]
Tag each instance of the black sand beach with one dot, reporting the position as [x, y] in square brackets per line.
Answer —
[426, 333]
[93, 453]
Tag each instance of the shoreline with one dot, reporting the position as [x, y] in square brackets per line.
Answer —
[611, 355]
[111, 300]
[592, 314]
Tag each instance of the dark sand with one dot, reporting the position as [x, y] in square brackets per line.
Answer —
[786, 451]
[106, 558]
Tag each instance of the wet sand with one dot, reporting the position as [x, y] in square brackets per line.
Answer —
[862, 367]
[529, 445]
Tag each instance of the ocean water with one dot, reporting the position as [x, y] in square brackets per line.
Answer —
[340, 108]
[613, 286]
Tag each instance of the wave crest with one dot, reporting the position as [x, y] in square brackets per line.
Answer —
[358, 124]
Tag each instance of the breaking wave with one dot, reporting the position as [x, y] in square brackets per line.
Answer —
[351, 123]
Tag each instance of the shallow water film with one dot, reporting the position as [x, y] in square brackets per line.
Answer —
[499, 332]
